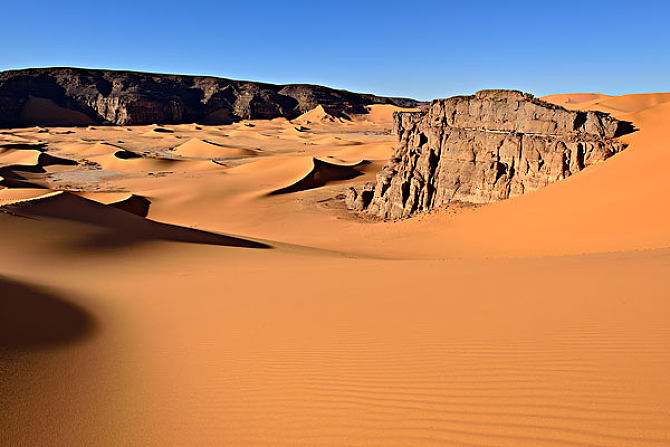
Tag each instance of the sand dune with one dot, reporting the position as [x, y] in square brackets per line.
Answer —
[25, 157]
[10, 178]
[574, 98]
[36, 145]
[16, 164]
[634, 103]
[323, 172]
[46, 159]
[335, 141]
[122, 227]
[611, 104]
[161, 129]
[380, 113]
[120, 161]
[126, 155]
[318, 115]
[87, 148]
[196, 148]
[10, 196]
[382, 151]
[132, 203]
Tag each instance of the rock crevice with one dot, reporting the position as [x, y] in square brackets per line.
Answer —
[482, 148]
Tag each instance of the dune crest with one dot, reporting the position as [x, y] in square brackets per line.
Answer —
[574, 98]
[323, 172]
[132, 203]
[12, 196]
[197, 148]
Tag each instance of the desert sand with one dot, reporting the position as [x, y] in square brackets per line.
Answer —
[204, 285]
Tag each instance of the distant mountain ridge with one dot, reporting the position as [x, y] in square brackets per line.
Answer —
[80, 96]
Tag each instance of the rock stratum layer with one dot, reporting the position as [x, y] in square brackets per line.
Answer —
[73, 96]
[490, 146]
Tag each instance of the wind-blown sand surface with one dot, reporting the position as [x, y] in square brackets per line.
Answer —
[249, 308]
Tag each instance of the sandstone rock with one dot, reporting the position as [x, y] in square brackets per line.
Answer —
[125, 98]
[490, 146]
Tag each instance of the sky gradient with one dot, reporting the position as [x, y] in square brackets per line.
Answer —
[421, 49]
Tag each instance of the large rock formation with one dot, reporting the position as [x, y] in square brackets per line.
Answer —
[73, 96]
[482, 148]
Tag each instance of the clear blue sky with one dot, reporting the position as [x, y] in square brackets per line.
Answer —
[421, 48]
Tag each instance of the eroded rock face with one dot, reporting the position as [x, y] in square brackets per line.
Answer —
[125, 98]
[490, 146]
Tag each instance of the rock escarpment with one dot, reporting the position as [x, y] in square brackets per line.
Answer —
[73, 96]
[490, 146]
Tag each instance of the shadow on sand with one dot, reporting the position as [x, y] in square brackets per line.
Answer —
[321, 174]
[33, 318]
[118, 227]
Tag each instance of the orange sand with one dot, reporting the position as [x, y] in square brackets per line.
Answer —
[235, 315]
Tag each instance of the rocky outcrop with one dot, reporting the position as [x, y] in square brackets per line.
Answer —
[490, 146]
[82, 96]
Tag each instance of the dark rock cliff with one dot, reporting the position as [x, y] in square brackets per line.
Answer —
[74, 96]
[490, 146]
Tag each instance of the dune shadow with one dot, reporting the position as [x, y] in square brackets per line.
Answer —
[126, 155]
[321, 174]
[18, 145]
[121, 227]
[163, 130]
[158, 231]
[34, 318]
[11, 179]
[135, 204]
[51, 160]
[624, 128]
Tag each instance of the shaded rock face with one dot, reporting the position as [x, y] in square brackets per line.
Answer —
[125, 98]
[490, 146]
